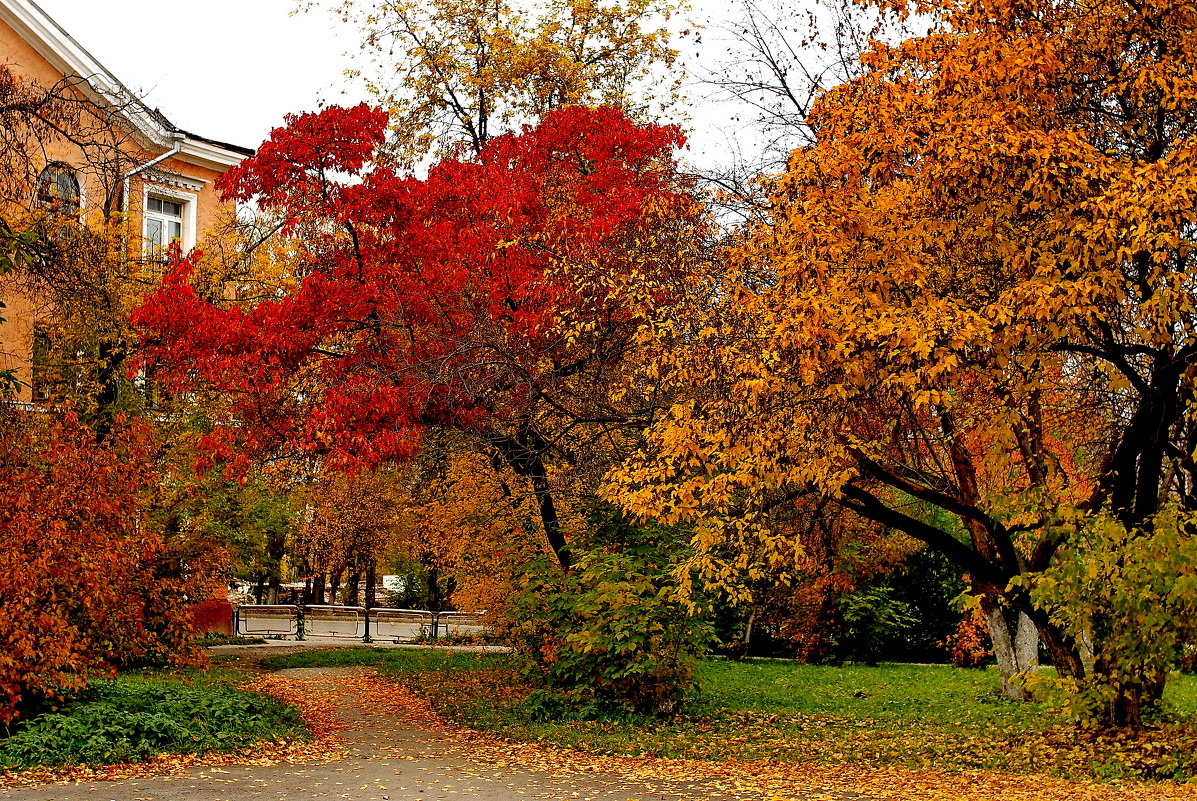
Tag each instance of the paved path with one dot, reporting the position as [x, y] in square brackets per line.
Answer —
[390, 753]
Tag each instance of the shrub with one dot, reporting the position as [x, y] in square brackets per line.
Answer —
[610, 635]
[128, 721]
[86, 583]
[871, 616]
[967, 645]
[1132, 593]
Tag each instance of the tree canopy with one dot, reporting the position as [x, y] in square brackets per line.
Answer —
[499, 296]
[974, 293]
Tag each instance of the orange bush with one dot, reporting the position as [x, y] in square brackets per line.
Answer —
[86, 583]
[968, 643]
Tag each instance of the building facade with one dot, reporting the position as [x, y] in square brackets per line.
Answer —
[94, 153]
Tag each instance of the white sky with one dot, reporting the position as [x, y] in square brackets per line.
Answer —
[223, 69]
[230, 69]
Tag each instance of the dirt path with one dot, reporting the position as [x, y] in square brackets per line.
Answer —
[386, 745]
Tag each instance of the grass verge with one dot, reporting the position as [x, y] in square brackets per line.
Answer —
[208, 640]
[141, 714]
[917, 717]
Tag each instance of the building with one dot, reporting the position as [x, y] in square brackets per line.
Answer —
[105, 156]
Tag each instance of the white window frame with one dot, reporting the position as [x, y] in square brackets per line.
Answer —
[188, 200]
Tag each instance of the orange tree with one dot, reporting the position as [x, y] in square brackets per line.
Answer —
[348, 525]
[974, 293]
[473, 69]
[87, 582]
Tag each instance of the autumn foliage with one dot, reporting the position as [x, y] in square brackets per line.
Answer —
[968, 314]
[86, 584]
[500, 296]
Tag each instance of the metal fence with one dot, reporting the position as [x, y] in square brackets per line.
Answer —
[402, 624]
[267, 619]
[335, 621]
[353, 622]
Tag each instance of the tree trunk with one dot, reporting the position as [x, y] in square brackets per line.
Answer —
[1066, 659]
[528, 463]
[1015, 644]
[276, 546]
[259, 588]
[1026, 643]
[334, 584]
[370, 580]
[746, 639]
[434, 595]
[1132, 698]
[108, 375]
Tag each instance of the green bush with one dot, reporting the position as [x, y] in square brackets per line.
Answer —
[126, 720]
[872, 617]
[1132, 594]
[609, 636]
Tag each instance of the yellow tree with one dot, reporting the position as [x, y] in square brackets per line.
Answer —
[974, 295]
[469, 70]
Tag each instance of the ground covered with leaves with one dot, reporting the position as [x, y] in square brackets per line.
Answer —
[902, 716]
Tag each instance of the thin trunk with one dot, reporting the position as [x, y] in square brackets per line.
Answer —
[548, 514]
[108, 374]
[1131, 698]
[370, 580]
[747, 637]
[528, 463]
[334, 584]
[434, 595]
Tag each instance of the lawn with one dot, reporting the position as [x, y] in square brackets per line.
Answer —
[903, 715]
[140, 714]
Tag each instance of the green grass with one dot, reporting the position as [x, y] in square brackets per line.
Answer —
[1180, 696]
[937, 695]
[208, 640]
[917, 717]
[140, 714]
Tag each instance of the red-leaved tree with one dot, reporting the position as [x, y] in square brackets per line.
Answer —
[504, 296]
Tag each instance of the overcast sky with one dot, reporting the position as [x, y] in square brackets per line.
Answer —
[224, 69]
[230, 69]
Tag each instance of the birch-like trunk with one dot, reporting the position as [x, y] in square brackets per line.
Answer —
[1015, 646]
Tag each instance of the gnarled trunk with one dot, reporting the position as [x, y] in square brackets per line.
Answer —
[1015, 645]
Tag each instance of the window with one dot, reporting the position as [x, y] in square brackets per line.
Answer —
[163, 225]
[56, 372]
[58, 190]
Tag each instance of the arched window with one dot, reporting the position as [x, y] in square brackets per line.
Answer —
[58, 190]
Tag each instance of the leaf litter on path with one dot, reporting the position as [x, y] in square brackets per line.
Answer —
[392, 722]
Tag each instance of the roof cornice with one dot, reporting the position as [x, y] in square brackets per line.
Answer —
[209, 154]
